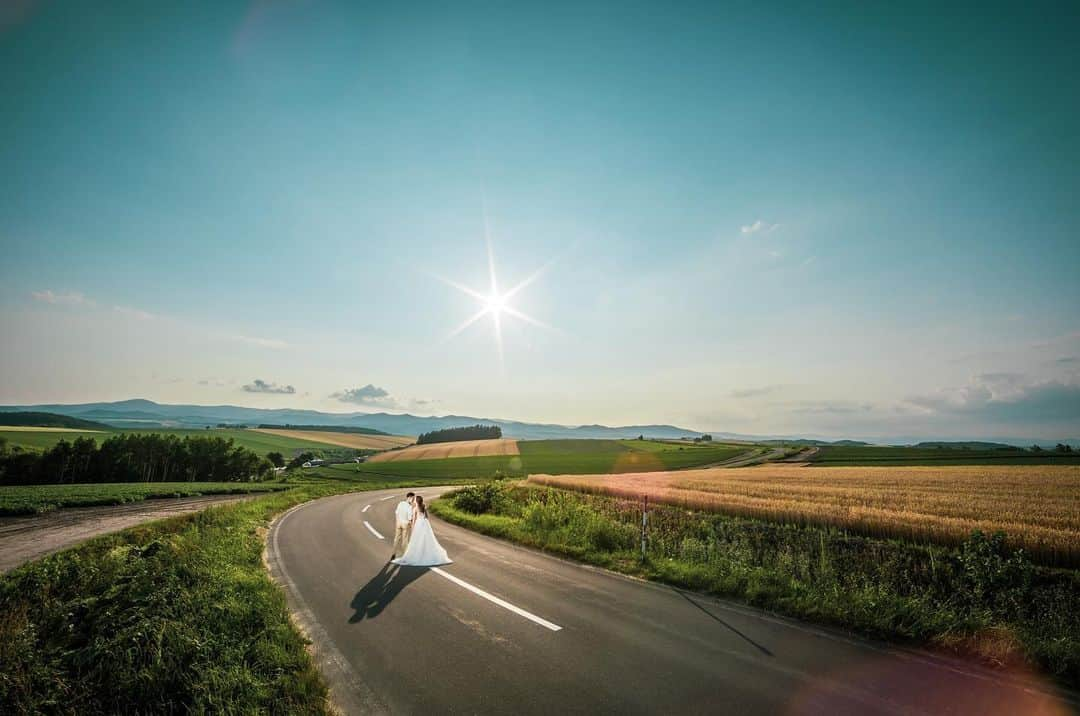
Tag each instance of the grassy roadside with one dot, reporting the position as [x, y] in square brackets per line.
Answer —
[36, 499]
[177, 615]
[980, 599]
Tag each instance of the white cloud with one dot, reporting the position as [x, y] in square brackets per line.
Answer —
[368, 395]
[62, 299]
[1005, 396]
[759, 226]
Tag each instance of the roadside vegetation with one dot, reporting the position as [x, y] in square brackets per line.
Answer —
[980, 598]
[177, 615]
[1038, 506]
[36, 499]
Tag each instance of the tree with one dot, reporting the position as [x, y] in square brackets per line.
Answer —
[706, 438]
[276, 458]
[1035, 448]
[471, 432]
[1062, 447]
[301, 459]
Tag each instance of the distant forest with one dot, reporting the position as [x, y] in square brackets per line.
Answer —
[324, 429]
[451, 435]
[48, 420]
[134, 457]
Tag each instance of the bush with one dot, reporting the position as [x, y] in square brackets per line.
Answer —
[478, 499]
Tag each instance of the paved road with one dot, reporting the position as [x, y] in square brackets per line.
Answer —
[25, 538]
[509, 630]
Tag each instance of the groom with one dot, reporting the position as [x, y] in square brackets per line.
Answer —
[403, 524]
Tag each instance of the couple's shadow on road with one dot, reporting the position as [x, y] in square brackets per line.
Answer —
[383, 588]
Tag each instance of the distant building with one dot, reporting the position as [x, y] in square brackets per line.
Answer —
[313, 463]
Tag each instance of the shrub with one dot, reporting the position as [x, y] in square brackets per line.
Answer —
[478, 499]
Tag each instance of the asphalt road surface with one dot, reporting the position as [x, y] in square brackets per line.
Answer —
[508, 630]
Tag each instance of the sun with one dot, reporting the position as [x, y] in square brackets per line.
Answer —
[495, 303]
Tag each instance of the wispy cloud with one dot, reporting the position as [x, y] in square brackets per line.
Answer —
[759, 226]
[261, 386]
[755, 392]
[133, 312]
[260, 342]
[72, 298]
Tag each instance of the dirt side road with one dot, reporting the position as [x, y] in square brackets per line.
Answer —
[25, 538]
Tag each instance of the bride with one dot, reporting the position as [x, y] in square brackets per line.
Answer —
[423, 550]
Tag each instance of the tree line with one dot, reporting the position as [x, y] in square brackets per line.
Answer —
[134, 457]
[470, 432]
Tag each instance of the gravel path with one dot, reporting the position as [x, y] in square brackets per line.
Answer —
[26, 538]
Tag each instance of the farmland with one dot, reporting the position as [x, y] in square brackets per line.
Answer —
[359, 441]
[1037, 506]
[556, 456]
[254, 440]
[904, 455]
[461, 448]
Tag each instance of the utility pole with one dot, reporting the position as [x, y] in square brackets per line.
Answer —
[644, 524]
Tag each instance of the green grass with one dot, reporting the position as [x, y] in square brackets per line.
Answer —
[565, 457]
[890, 455]
[174, 616]
[35, 499]
[980, 599]
[258, 442]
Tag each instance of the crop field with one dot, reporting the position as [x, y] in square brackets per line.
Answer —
[547, 456]
[461, 448]
[257, 441]
[900, 455]
[360, 441]
[32, 499]
[1038, 507]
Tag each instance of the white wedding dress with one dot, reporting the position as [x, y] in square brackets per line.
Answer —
[423, 550]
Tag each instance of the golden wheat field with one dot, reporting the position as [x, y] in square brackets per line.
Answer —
[352, 440]
[463, 448]
[1037, 506]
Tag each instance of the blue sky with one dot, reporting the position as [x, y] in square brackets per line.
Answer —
[842, 221]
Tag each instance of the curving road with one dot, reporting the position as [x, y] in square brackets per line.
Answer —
[510, 630]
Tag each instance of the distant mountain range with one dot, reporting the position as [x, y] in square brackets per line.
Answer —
[147, 413]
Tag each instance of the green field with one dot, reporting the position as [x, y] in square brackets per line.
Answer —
[900, 455]
[260, 443]
[34, 499]
[557, 457]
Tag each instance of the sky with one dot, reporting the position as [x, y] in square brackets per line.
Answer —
[852, 219]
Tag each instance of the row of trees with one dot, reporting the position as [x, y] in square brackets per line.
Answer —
[134, 457]
[1060, 447]
[470, 432]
